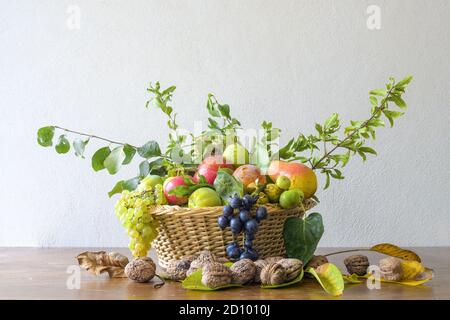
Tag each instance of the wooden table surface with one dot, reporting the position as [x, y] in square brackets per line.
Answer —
[35, 273]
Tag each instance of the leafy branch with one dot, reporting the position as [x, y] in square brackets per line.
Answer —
[355, 135]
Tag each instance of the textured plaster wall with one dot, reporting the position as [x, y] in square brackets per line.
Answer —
[293, 62]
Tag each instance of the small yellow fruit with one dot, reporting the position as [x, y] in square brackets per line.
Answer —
[262, 198]
[273, 192]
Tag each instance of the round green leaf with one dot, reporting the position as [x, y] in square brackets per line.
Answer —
[129, 153]
[79, 145]
[99, 158]
[150, 149]
[63, 145]
[113, 162]
[45, 136]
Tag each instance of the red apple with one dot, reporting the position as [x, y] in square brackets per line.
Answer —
[171, 183]
[209, 167]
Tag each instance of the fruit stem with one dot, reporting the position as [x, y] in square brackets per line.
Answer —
[160, 284]
[344, 251]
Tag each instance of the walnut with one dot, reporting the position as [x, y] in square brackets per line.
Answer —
[243, 271]
[316, 261]
[357, 264]
[203, 258]
[391, 269]
[293, 268]
[259, 264]
[176, 269]
[273, 274]
[273, 259]
[216, 275]
[140, 269]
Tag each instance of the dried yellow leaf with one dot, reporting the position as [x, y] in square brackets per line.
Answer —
[411, 269]
[395, 251]
[100, 261]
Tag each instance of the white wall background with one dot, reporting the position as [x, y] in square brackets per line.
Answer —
[293, 62]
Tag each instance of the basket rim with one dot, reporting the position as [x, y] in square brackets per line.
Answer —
[181, 211]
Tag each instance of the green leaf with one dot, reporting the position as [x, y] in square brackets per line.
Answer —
[144, 168]
[319, 128]
[327, 180]
[378, 92]
[398, 101]
[368, 150]
[403, 83]
[118, 188]
[194, 282]
[391, 115]
[158, 167]
[129, 153]
[99, 158]
[224, 110]
[301, 236]
[329, 277]
[45, 136]
[63, 145]
[286, 284]
[260, 156]
[79, 145]
[227, 186]
[150, 149]
[131, 184]
[332, 122]
[113, 162]
[373, 101]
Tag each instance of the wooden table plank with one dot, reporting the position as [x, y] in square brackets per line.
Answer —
[35, 273]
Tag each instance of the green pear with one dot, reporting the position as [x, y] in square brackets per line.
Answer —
[236, 154]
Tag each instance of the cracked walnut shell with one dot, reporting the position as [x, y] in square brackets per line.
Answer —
[357, 264]
[216, 275]
[243, 271]
[273, 274]
[140, 269]
[292, 266]
[259, 264]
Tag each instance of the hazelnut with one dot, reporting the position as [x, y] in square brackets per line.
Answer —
[357, 264]
[140, 269]
[243, 271]
[316, 261]
[176, 269]
[216, 275]
[293, 268]
[391, 269]
[273, 274]
[259, 264]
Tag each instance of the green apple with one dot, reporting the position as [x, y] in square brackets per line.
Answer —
[236, 154]
[204, 197]
[149, 182]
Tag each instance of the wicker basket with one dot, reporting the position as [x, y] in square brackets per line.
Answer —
[185, 231]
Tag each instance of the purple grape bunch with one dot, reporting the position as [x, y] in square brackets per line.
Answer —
[238, 216]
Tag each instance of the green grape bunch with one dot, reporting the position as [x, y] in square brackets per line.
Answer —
[135, 212]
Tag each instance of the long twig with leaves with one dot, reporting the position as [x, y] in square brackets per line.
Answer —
[222, 126]
[355, 135]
